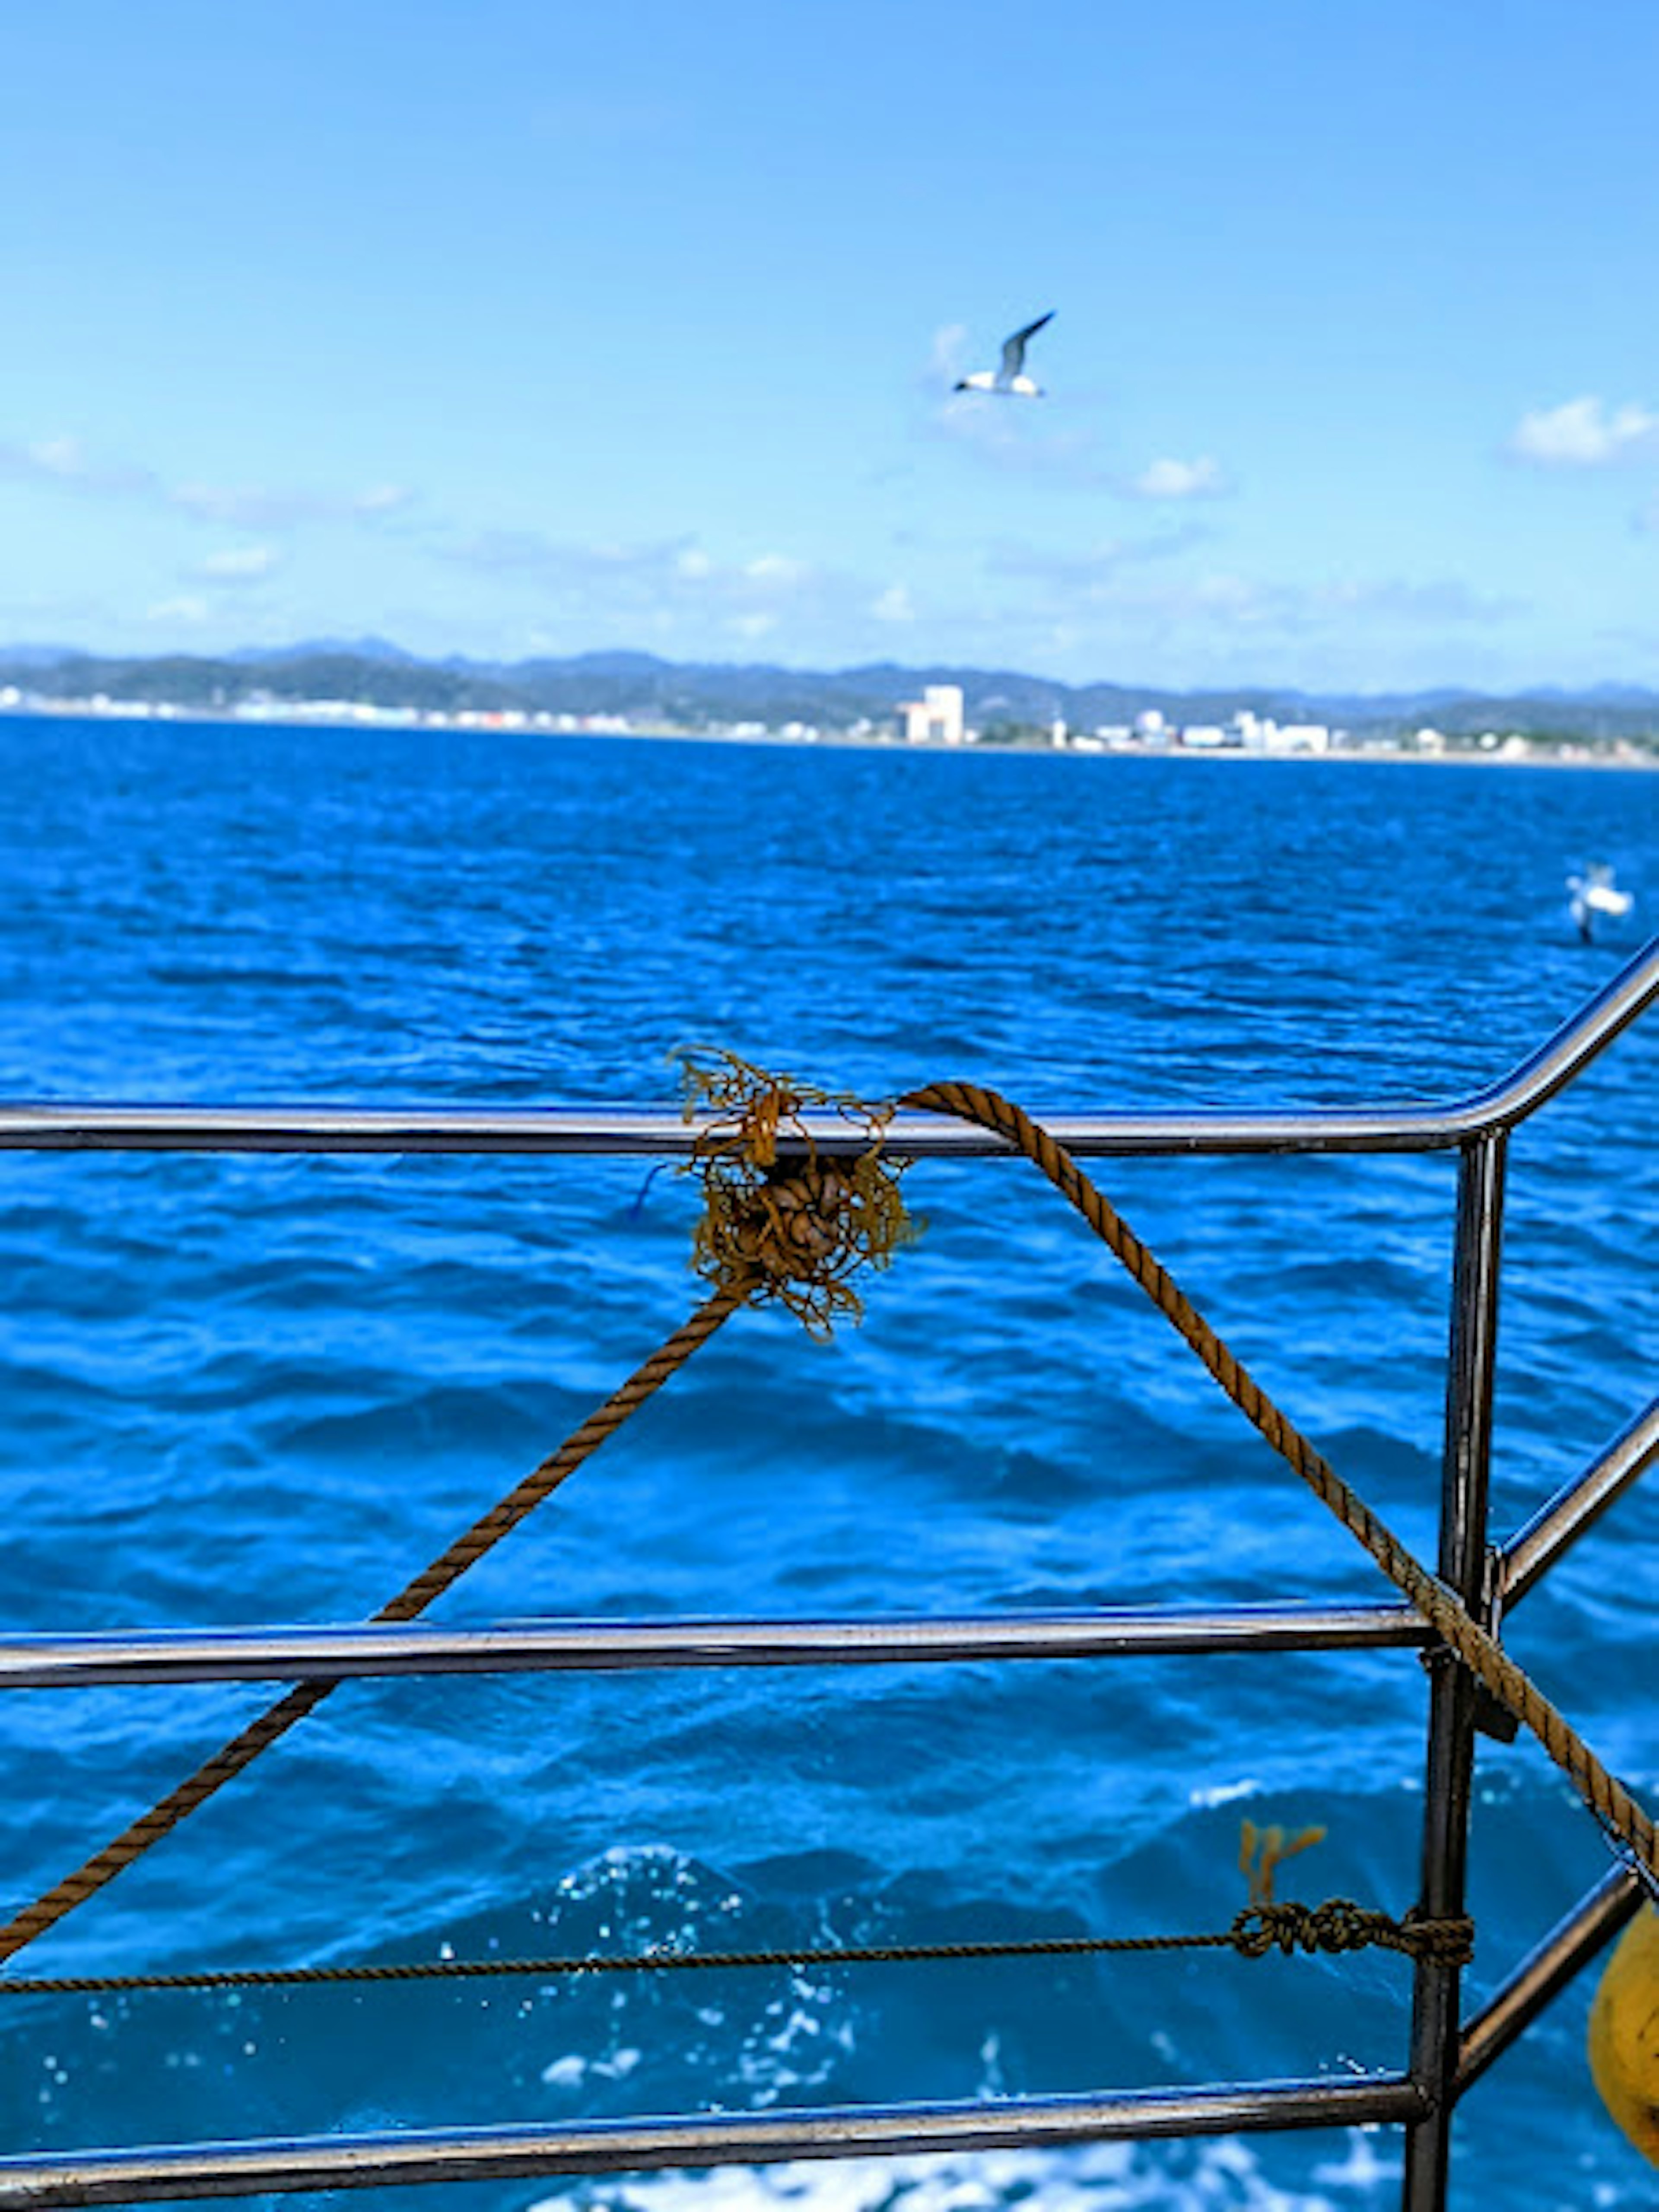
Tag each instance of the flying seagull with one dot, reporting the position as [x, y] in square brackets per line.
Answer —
[1596, 892]
[1010, 377]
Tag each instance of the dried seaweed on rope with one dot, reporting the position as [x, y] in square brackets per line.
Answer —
[781, 1217]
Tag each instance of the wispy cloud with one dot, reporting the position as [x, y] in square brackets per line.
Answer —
[1008, 434]
[1037, 439]
[71, 463]
[1585, 433]
[1204, 478]
[72, 466]
[672, 589]
[1126, 588]
[188, 608]
[895, 604]
[1299, 608]
[256, 507]
[238, 564]
[1435, 600]
[1100, 567]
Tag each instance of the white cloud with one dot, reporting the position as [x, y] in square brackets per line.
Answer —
[674, 587]
[1585, 433]
[895, 604]
[187, 608]
[1203, 478]
[775, 568]
[240, 564]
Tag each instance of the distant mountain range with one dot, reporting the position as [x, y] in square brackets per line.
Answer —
[696, 694]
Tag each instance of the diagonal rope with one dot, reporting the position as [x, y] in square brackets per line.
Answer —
[791, 1232]
[1607, 1796]
[413, 1598]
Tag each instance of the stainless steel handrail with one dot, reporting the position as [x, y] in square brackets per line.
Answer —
[1547, 1970]
[323, 1128]
[356, 2161]
[328, 1654]
[1576, 1508]
[1443, 2059]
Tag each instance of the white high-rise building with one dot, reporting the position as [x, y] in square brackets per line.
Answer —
[935, 719]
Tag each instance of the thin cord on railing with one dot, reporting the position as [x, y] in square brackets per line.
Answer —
[1336, 1926]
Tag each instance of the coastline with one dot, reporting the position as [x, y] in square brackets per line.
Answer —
[390, 723]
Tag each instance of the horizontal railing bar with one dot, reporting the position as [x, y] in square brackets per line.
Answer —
[1545, 1971]
[332, 1654]
[484, 2154]
[321, 1129]
[1576, 1506]
[644, 1131]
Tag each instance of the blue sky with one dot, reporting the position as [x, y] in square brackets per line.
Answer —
[516, 327]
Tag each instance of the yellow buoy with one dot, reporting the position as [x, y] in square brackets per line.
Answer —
[1624, 2034]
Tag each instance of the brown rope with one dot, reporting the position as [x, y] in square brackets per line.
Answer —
[445, 1570]
[831, 1221]
[1606, 1797]
[1338, 1925]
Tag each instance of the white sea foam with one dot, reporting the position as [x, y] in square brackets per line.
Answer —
[1223, 1792]
[1221, 2176]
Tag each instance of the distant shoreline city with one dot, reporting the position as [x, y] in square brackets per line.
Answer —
[636, 696]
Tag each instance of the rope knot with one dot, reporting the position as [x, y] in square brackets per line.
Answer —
[1449, 1942]
[1339, 1925]
[1332, 1926]
[781, 1221]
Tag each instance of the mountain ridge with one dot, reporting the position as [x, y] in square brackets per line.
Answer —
[642, 686]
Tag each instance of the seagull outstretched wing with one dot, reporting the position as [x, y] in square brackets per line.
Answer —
[1013, 349]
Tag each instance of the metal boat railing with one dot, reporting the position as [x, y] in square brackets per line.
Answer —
[1445, 2055]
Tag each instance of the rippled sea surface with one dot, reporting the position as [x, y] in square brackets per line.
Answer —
[239, 1390]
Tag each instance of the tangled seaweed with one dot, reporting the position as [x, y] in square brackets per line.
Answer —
[779, 1218]
[1262, 1850]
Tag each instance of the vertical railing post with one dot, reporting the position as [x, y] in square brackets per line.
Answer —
[1464, 1484]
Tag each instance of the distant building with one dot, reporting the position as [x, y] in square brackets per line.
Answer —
[1205, 737]
[935, 719]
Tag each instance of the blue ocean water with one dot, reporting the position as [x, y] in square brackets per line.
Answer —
[248, 1390]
